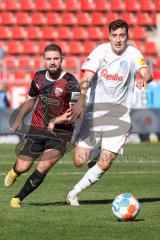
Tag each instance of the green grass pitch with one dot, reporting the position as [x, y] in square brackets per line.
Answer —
[45, 215]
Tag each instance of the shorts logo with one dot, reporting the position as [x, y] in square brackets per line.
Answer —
[58, 91]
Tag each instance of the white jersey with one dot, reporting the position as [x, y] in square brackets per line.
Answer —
[115, 74]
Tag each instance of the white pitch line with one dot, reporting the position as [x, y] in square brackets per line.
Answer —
[110, 173]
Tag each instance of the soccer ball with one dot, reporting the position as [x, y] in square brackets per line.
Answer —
[125, 207]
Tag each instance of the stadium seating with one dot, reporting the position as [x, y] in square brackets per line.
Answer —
[49, 33]
[22, 18]
[38, 18]
[73, 5]
[53, 18]
[12, 5]
[83, 18]
[68, 18]
[102, 5]
[87, 5]
[146, 5]
[117, 5]
[27, 26]
[7, 18]
[14, 47]
[18, 32]
[27, 5]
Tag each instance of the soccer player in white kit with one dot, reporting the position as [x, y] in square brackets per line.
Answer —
[107, 87]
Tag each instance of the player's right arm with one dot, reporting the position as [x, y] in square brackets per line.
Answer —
[78, 108]
[26, 107]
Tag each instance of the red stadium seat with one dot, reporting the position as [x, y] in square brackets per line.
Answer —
[38, 18]
[18, 32]
[150, 48]
[83, 18]
[58, 5]
[7, 18]
[129, 17]
[11, 63]
[5, 33]
[80, 33]
[41, 46]
[95, 33]
[102, 5]
[34, 33]
[144, 19]
[153, 16]
[97, 18]
[68, 18]
[12, 5]
[22, 18]
[132, 5]
[72, 62]
[27, 5]
[64, 46]
[38, 63]
[21, 76]
[146, 5]
[49, 33]
[110, 16]
[140, 45]
[117, 5]
[138, 33]
[157, 5]
[53, 18]
[64, 33]
[76, 47]
[89, 46]
[14, 47]
[42, 5]
[73, 5]
[87, 5]
[29, 47]
[26, 62]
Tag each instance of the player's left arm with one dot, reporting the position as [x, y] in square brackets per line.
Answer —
[147, 77]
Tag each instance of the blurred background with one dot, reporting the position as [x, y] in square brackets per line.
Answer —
[27, 26]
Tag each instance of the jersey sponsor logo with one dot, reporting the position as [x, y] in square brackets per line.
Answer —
[107, 76]
[58, 91]
[50, 101]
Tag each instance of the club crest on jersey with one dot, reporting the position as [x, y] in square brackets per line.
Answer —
[58, 91]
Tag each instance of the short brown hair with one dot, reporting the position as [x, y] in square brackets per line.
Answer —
[53, 47]
[118, 23]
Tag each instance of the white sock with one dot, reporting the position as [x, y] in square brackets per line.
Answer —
[90, 177]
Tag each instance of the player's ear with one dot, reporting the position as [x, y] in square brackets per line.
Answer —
[62, 58]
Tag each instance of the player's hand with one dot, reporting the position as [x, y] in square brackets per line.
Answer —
[17, 125]
[64, 118]
[77, 110]
[140, 83]
[51, 125]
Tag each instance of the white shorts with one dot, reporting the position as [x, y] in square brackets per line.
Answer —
[89, 137]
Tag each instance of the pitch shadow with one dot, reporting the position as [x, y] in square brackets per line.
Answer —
[88, 202]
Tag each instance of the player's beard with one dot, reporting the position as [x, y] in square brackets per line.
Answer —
[54, 74]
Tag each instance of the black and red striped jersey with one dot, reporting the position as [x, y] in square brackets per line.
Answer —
[53, 97]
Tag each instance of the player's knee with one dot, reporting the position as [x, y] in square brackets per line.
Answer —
[78, 162]
[105, 163]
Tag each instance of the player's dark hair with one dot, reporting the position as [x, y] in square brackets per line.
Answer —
[118, 23]
[53, 47]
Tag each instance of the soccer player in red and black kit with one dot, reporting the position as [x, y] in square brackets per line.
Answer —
[50, 132]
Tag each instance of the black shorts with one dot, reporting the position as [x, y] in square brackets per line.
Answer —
[36, 142]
